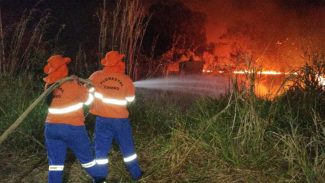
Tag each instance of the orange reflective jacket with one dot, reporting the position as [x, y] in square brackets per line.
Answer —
[67, 104]
[112, 93]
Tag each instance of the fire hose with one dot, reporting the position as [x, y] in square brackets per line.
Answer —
[21, 118]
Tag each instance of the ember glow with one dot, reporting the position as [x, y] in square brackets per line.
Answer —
[206, 71]
[268, 84]
[267, 72]
[321, 80]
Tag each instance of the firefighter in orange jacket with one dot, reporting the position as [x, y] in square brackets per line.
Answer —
[113, 91]
[64, 127]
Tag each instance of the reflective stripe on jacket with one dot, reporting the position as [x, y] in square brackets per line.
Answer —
[113, 91]
[67, 104]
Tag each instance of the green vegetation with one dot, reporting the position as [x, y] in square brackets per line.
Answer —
[237, 138]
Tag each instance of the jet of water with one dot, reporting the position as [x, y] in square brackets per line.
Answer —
[205, 85]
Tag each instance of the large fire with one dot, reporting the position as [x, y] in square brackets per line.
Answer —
[268, 83]
[321, 80]
[278, 38]
[266, 72]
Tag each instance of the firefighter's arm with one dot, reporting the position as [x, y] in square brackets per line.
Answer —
[86, 91]
[86, 94]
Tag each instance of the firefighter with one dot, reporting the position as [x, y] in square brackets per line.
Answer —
[113, 91]
[64, 127]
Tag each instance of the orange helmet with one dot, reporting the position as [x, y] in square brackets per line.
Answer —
[56, 68]
[112, 58]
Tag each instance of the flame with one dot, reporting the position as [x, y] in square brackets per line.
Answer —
[206, 71]
[321, 80]
[266, 87]
[266, 72]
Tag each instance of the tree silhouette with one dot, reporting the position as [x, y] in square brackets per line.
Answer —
[174, 24]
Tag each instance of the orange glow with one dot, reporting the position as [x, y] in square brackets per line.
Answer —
[321, 80]
[206, 71]
[266, 85]
[266, 72]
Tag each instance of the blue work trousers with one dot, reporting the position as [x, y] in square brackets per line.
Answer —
[120, 130]
[58, 138]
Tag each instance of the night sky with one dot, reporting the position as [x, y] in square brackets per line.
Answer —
[221, 13]
[273, 29]
[77, 18]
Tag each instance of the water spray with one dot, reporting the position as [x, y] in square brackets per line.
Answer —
[203, 85]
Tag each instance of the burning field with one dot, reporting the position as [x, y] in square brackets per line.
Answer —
[226, 90]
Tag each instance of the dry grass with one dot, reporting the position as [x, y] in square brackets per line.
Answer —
[19, 47]
[227, 140]
[128, 25]
[305, 154]
[2, 46]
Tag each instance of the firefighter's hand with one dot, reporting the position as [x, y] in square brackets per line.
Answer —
[88, 85]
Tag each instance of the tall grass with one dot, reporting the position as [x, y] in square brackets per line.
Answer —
[305, 155]
[2, 46]
[21, 45]
[16, 95]
[236, 138]
[128, 25]
[103, 18]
